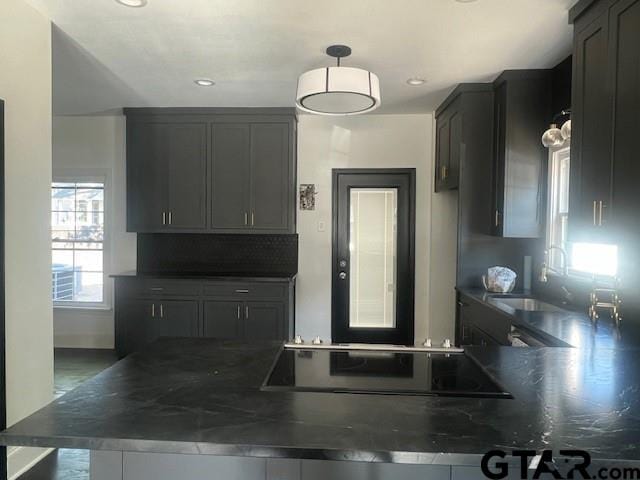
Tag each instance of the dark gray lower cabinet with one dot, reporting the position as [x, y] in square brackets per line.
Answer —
[178, 318]
[139, 328]
[222, 319]
[149, 308]
[264, 320]
[477, 324]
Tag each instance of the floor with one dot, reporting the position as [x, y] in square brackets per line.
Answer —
[71, 368]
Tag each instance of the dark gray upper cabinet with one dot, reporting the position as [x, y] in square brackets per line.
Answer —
[522, 109]
[590, 184]
[271, 177]
[448, 146]
[186, 173]
[606, 100]
[211, 170]
[166, 176]
[231, 149]
[145, 177]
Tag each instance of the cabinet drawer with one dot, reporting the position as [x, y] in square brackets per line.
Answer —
[245, 290]
[151, 287]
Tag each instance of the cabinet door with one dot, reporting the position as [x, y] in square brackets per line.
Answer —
[177, 318]
[264, 321]
[482, 339]
[146, 186]
[270, 176]
[230, 176]
[499, 161]
[465, 324]
[136, 318]
[223, 319]
[455, 149]
[442, 151]
[625, 38]
[186, 176]
[590, 185]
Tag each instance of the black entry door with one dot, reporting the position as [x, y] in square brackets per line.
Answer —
[373, 256]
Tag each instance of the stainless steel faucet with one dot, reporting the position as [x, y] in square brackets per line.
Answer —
[545, 265]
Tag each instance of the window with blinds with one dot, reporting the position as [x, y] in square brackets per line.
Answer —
[77, 242]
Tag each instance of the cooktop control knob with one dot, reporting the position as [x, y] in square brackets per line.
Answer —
[427, 343]
[298, 340]
[446, 343]
[317, 340]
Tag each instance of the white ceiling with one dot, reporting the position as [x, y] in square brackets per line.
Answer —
[107, 56]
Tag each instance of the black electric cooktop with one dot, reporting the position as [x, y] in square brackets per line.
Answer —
[384, 373]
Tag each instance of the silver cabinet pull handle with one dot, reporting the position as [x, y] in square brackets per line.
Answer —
[252, 219]
[242, 290]
[246, 312]
[153, 310]
[600, 214]
[170, 218]
[595, 222]
[164, 218]
[156, 289]
[238, 311]
[161, 311]
[246, 218]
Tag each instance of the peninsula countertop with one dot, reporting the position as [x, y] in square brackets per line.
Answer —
[203, 396]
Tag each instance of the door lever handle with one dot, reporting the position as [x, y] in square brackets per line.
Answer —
[342, 275]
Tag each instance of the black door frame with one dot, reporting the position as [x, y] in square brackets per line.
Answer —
[375, 335]
[3, 386]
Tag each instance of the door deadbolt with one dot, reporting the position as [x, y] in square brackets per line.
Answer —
[342, 275]
[343, 263]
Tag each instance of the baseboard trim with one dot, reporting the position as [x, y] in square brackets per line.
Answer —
[23, 459]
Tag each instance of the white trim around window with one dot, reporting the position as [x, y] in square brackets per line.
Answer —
[98, 176]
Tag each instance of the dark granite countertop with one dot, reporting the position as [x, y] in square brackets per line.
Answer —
[234, 276]
[202, 396]
[572, 327]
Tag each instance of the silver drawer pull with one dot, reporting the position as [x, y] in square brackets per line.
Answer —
[241, 290]
[238, 311]
[246, 313]
[153, 310]
[157, 289]
[161, 311]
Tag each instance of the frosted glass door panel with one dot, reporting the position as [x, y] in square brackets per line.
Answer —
[373, 232]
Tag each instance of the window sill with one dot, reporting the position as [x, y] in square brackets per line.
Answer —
[80, 308]
[581, 278]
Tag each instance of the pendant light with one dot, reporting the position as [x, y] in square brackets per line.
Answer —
[554, 136]
[338, 90]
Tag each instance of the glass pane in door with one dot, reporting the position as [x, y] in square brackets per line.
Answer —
[373, 244]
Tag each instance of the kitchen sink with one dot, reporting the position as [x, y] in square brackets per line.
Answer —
[526, 304]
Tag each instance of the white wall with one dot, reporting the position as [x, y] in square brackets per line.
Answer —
[25, 86]
[86, 146]
[368, 141]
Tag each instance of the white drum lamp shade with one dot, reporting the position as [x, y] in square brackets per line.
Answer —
[338, 90]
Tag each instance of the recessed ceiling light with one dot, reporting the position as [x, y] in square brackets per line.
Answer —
[204, 82]
[132, 3]
[416, 82]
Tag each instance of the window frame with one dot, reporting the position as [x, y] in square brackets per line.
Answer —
[98, 176]
[554, 262]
